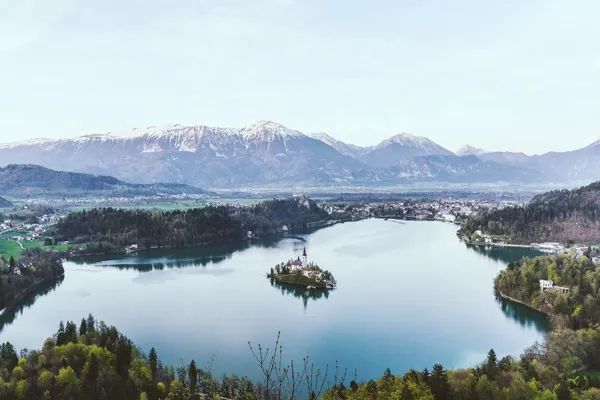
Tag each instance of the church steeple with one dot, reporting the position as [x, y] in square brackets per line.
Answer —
[304, 258]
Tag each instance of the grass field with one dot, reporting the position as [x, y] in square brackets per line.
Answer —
[10, 248]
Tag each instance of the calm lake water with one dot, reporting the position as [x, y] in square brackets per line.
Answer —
[410, 294]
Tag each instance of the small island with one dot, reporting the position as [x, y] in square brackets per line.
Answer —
[300, 272]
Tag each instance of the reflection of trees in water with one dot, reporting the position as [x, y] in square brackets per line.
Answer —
[504, 254]
[42, 289]
[300, 292]
[525, 316]
[159, 259]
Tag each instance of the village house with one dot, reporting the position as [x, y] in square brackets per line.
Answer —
[549, 285]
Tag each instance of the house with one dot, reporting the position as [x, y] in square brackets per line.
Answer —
[131, 248]
[549, 285]
[546, 284]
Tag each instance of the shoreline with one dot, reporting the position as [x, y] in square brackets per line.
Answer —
[516, 301]
[311, 228]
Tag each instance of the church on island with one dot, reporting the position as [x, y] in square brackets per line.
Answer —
[299, 264]
[301, 272]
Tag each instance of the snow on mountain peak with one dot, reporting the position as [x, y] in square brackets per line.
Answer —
[407, 139]
[28, 142]
[268, 130]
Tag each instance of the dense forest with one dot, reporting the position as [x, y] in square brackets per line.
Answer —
[579, 307]
[34, 270]
[566, 216]
[95, 361]
[110, 229]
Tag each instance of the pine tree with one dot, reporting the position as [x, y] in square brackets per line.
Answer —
[438, 382]
[60, 335]
[193, 376]
[70, 333]
[491, 365]
[123, 356]
[91, 374]
[153, 360]
[91, 323]
[83, 327]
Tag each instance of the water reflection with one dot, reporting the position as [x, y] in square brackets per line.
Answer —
[525, 316]
[299, 292]
[506, 255]
[160, 259]
[8, 315]
[408, 295]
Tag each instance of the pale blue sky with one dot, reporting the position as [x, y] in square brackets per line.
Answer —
[507, 75]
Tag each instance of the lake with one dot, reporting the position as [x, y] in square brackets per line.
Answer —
[410, 294]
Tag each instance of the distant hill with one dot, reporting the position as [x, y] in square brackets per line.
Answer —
[25, 180]
[5, 203]
[566, 216]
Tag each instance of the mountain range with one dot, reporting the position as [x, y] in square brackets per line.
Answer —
[27, 180]
[268, 154]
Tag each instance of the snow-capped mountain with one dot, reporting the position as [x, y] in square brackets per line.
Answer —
[261, 153]
[269, 154]
[342, 147]
[400, 148]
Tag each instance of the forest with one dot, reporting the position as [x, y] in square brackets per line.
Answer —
[565, 216]
[34, 270]
[578, 308]
[110, 229]
[95, 361]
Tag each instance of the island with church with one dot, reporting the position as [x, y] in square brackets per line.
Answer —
[300, 272]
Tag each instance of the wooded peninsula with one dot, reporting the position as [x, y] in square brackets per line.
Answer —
[108, 230]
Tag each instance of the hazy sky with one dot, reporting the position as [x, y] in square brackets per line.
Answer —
[518, 75]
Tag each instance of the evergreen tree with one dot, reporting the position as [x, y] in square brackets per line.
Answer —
[8, 355]
[71, 332]
[438, 382]
[91, 323]
[491, 364]
[83, 327]
[193, 376]
[91, 374]
[153, 360]
[60, 335]
[123, 356]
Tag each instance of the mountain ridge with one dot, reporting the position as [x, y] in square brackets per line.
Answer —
[20, 180]
[268, 153]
